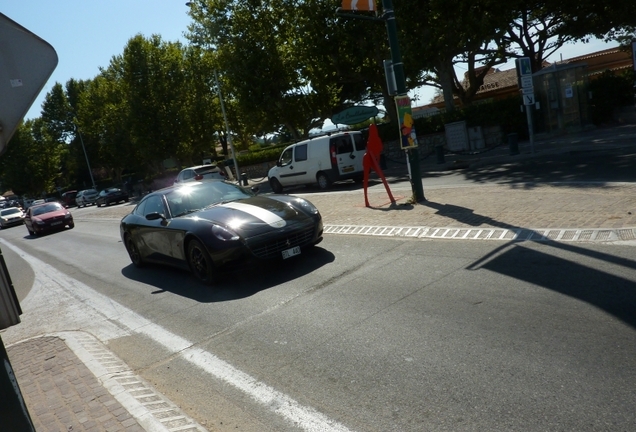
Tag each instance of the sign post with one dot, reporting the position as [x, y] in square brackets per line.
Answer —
[398, 70]
[524, 74]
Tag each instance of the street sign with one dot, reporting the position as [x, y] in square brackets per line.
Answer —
[526, 81]
[354, 115]
[523, 66]
[360, 5]
[528, 99]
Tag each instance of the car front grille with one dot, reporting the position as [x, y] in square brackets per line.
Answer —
[272, 248]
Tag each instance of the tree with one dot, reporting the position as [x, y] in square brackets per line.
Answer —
[541, 28]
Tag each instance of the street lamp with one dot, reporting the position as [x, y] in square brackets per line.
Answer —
[227, 126]
[85, 155]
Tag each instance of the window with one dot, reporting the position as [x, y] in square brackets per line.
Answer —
[300, 154]
[286, 157]
[343, 144]
[361, 143]
[154, 204]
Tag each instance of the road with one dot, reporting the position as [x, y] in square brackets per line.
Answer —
[359, 334]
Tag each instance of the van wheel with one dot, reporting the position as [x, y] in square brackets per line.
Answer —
[323, 181]
[275, 185]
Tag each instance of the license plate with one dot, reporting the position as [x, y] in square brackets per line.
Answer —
[56, 223]
[291, 252]
[347, 169]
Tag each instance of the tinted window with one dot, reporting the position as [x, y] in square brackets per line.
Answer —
[300, 154]
[360, 142]
[154, 204]
[343, 144]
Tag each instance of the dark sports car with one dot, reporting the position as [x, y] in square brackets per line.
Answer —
[213, 226]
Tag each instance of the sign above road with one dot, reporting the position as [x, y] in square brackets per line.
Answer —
[354, 115]
[360, 5]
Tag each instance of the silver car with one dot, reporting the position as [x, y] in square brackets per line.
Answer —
[11, 216]
[86, 197]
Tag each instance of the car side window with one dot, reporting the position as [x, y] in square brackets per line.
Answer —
[154, 204]
[300, 153]
[187, 174]
[286, 157]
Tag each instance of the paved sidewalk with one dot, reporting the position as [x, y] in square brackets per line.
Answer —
[63, 394]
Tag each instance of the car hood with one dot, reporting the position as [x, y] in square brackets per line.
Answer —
[51, 215]
[254, 214]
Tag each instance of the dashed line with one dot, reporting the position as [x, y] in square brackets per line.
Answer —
[500, 234]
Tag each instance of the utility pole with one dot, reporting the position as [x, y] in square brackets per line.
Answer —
[388, 17]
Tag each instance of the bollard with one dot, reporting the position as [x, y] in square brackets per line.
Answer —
[513, 143]
[244, 179]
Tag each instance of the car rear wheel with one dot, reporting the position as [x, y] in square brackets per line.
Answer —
[323, 181]
[133, 252]
[200, 262]
[275, 185]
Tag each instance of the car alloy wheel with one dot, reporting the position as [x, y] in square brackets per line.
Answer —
[133, 252]
[200, 262]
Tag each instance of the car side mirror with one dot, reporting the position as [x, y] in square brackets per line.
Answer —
[155, 216]
[255, 189]
[352, 156]
[278, 164]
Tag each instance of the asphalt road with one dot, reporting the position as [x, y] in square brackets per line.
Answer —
[362, 334]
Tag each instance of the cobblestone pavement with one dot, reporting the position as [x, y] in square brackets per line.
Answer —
[62, 394]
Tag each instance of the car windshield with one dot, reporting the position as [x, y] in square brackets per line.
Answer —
[9, 211]
[198, 196]
[46, 208]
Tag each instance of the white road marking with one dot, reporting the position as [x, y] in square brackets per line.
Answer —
[67, 304]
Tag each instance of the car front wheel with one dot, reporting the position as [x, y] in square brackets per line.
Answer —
[200, 262]
[133, 252]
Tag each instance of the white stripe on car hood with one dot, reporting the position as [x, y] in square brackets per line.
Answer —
[266, 216]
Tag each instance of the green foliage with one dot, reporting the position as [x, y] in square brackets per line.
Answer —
[610, 92]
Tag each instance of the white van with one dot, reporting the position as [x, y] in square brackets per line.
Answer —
[322, 160]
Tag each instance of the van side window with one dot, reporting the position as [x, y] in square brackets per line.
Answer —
[300, 154]
[343, 144]
[286, 157]
[361, 143]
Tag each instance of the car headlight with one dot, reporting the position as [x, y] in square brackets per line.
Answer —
[38, 221]
[224, 234]
[67, 216]
[306, 205]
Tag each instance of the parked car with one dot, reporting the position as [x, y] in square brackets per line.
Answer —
[68, 198]
[86, 197]
[200, 172]
[213, 226]
[11, 216]
[321, 160]
[111, 195]
[42, 218]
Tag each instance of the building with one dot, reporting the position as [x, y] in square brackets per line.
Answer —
[560, 88]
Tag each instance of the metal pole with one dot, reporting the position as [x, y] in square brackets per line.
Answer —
[400, 81]
[86, 156]
[227, 127]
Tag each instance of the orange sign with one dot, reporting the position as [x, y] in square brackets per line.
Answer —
[361, 5]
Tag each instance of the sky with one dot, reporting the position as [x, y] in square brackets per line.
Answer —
[86, 34]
